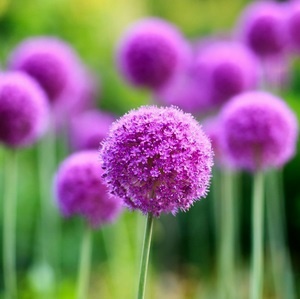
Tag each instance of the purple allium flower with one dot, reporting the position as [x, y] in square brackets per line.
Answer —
[262, 27]
[151, 52]
[52, 62]
[80, 190]
[259, 131]
[89, 128]
[157, 159]
[24, 110]
[226, 69]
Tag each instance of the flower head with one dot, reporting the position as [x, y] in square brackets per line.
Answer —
[52, 62]
[259, 131]
[262, 27]
[157, 159]
[89, 128]
[226, 68]
[24, 110]
[80, 190]
[151, 52]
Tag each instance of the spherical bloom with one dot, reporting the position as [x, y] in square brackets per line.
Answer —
[52, 62]
[24, 110]
[262, 27]
[259, 131]
[151, 52]
[80, 190]
[89, 128]
[226, 69]
[157, 159]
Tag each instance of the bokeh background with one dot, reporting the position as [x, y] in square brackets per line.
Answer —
[185, 247]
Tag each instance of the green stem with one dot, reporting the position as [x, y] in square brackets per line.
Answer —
[48, 224]
[9, 225]
[85, 263]
[276, 225]
[145, 257]
[257, 236]
[227, 237]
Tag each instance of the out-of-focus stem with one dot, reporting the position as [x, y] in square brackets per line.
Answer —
[257, 237]
[227, 236]
[85, 263]
[48, 225]
[9, 225]
[276, 226]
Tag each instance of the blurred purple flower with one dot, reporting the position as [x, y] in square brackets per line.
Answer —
[24, 110]
[262, 28]
[151, 52]
[80, 190]
[157, 159]
[58, 69]
[89, 128]
[259, 131]
[51, 61]
[225, 69]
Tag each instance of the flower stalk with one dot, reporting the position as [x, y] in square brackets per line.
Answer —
[145, 257]
[257, 237]
[9, 225]
[85, 264]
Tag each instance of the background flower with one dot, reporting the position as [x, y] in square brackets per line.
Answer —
[80, 190]
[24, 110]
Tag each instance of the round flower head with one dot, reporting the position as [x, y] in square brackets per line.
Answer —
[262, 27]
[24, 110]
[50, 61]
[226, 69]
[259, 131]
[151, 52]
[89, 128]
[80, 190]
[157, 159]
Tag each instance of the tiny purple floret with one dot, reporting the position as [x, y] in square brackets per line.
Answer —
[158, 160]
[80, 190]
